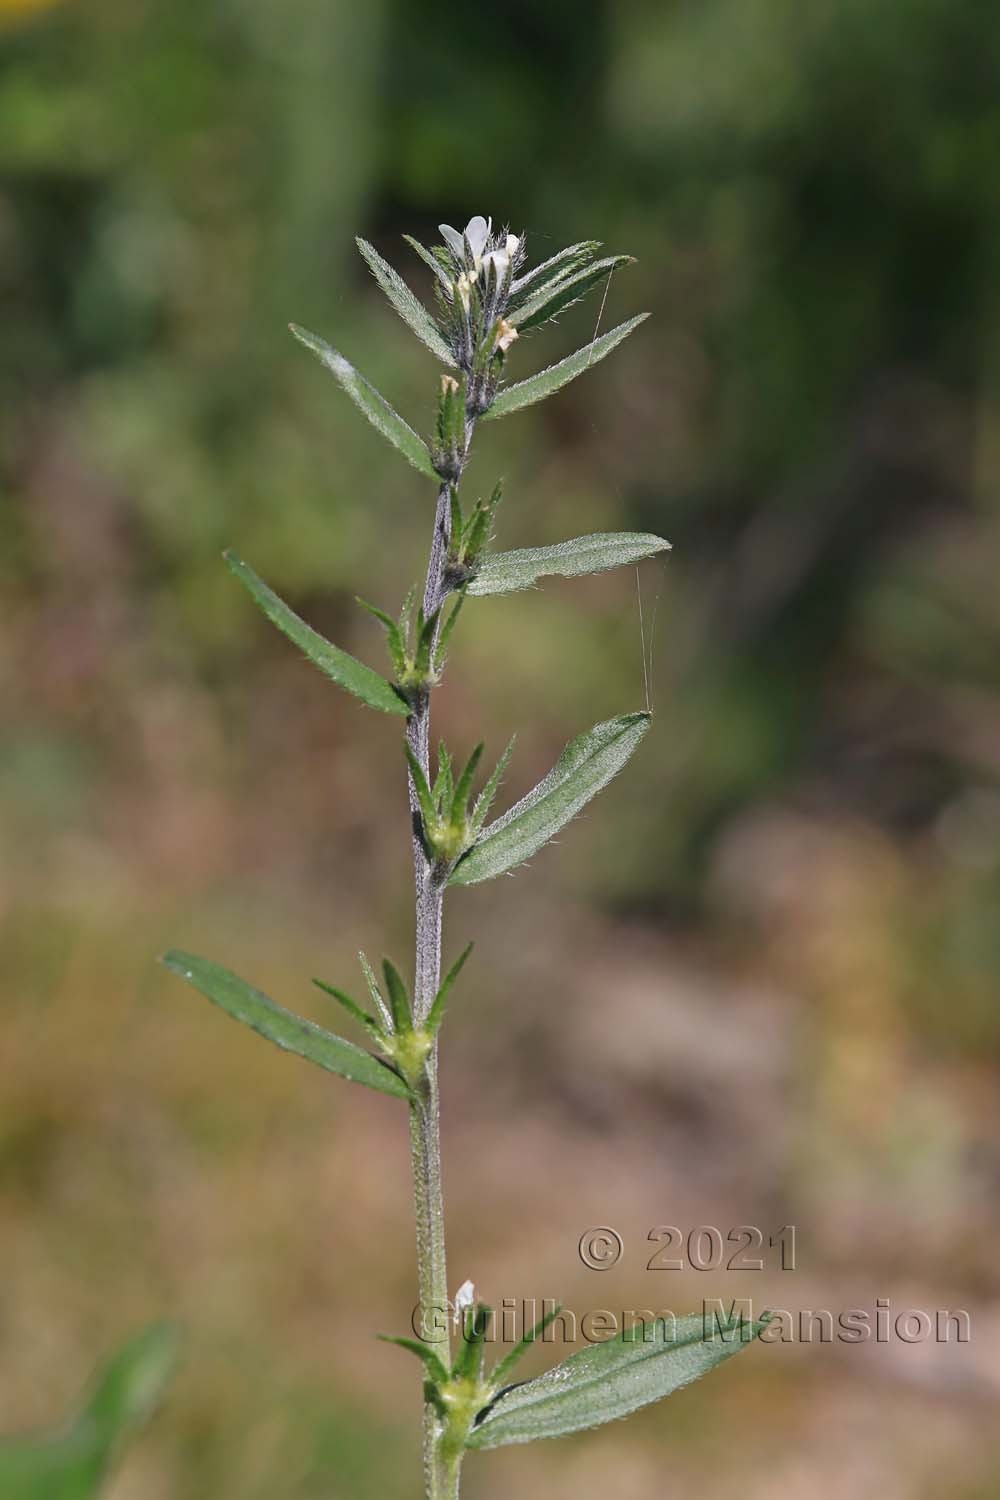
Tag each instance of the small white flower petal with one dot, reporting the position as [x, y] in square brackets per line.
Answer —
[500, 259]
[477, 232]
[512, 244]
[464, 1297]
[452, 239]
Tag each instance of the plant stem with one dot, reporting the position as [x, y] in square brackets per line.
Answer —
[440, 1471]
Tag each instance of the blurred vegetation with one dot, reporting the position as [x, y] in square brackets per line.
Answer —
[812, 417]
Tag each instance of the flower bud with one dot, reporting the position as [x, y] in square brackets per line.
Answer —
[506, 334]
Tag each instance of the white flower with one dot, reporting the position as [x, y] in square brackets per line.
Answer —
[501, 258]
[477, 232]
[464, 1297]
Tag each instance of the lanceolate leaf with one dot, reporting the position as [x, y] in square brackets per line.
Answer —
[72, 1463]
[556, 268]
[406, 304]
[504, 572]
[551, 300]
[586, 765]
[375, 407]
[611, 1380]
[537, 387]
[345, 670]
[294, 1034]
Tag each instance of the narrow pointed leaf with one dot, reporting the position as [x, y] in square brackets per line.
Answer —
[463, 786]
[351, 1006]
[425, 800]
[475, 1326]
[410, 309]
[524, 1343]
[485, 799]
[426, 630]
[399, 1000]
[429, 259]
[444, 784]
[375, 992]
[537, 387]
[505, 572]
[290, 1032]
[441, 650]
[435, 1367]
[610, 1380]
[436, 1013]
[549, 301]
[558, 266]
[375, 407]
[586, 765]
[343, 669]
[394, 636]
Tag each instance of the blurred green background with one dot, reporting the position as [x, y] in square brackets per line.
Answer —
[757, 983]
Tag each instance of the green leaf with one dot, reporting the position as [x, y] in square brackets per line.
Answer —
[399, 1000]
[436, 1013]
[73, 1462]
[537, 387]
[556, 268]
[586, 765]
[431, 260]
[610, 1380]
[410, 309]
[290, 1032]
[468, 1362]
[425, 798]
[366, 1021]
[554, 299]
[485, 799]
[500, 1371]
[375, 407]
[394, 636]
[505, 572]
[447, 629]
[444, 783]
[424, 1352]
[345, 670]
[463, 786]
[376, 994]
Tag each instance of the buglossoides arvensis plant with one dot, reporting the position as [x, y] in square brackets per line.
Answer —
[486, 299]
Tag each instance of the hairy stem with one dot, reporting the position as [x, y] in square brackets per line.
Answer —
[440, 1471]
